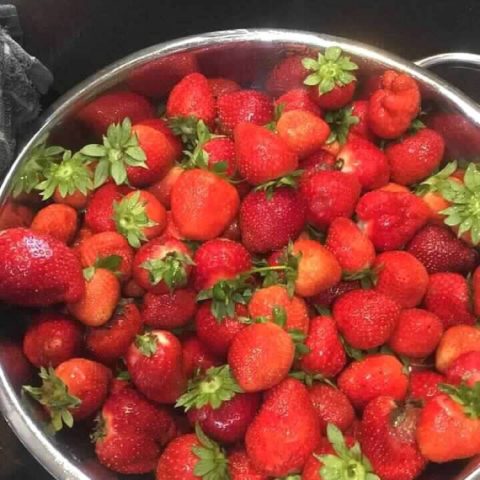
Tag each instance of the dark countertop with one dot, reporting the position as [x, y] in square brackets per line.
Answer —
[75, 38]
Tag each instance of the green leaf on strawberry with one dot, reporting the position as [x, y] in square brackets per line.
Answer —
[438, 182]
[368, 277]
[277, 113]
[212, 463]
[310, 378]
[111, 262]
[147, 344]
[329, 70]
[53, 394]
[212, 388]
[291, 180]
[189, 129]
[120, 149]
[298, 337]
[466, 396]
[99, 430]
[348, 462]
[340, 122]
[322, 310]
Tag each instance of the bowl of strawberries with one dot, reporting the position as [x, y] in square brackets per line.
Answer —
[247, 255]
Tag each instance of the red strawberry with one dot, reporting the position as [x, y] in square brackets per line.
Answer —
[415, 157]
[387, 436]
[352, 248]
[196, 356]
[288, 73]
[448, 297]
[113, 108]
[375, 375]
[391, 219]
[221, 150]
[56, 220]
[243, 106]
[360, 128]
[365, 160]
[195, 195]
[240, 467]
[154, 361]
[221, 86]
[75, 390]
[285, 431]
[327, 297]
[37, 270]
[465, 368]
[261, 356]
[326, 355]
[161, 266]
[111, 341]
[424, 384]
[169, 310]
[219, 259]
[192, 97]
[51, 339]
[475, 286]
[261, 154]
[216, 402]
[416, 334]
[329, 195]
[365, 318]
[318, 161]
[401, 277]
[163, 188]
[440, 250]
[449, 425]
[298, 99]
[99, 213]
[332, 406]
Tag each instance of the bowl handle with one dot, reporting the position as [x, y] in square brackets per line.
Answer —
[451, 57]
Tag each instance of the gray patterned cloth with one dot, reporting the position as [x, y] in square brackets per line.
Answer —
[22, 80]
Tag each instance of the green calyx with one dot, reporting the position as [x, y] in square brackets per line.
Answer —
[212, 388]
[310, 378]
[340, 122]
[171, 269]
[120, 149]
[438, 182]
[368, 277]
[147, 344]
[466, 396]
[329, 70]
[190, 130]
[415, 126]
[277, 113]
[112, 263]
[291, 180]
[53, 394]
[212, 462]
[99, 430]
[130, 216]
[347, 463]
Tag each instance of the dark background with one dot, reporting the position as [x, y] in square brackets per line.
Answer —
[74, 38]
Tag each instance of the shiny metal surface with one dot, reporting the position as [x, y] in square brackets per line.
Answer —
[245, 55]
[451, 57]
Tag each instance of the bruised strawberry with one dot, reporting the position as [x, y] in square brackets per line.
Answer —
[424, 384]
[196, 356]
[465, 369]
[297, 99]
[58, 221]
[288, 73]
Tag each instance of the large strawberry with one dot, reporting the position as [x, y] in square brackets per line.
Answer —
[285, 431]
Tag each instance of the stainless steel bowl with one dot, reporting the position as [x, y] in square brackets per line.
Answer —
[247, 56]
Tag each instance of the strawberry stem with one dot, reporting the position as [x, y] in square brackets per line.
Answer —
[147, 344]
[212, 462]
[171, 269]
[466, 396]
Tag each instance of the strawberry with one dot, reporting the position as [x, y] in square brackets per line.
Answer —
[75, 390]
[326, 354]
[449, 424]
[424, 384]
[375, 375]
[162, 190]
[285, 431]
[475, 286]
[327, 297]
[111, 341]
[260, 356]
[391, 219]
[261, 154]
[154, 361]
[196, 356]
[99, 213]
[392, 108]
[243, 106]
[366, 161]
[221, 86]
[288, 73]
[232, 232]
[456, 341]
[58, 221]
[331, 81]
[219, 259]
[318, 161]
[365, 318]
[448, 297]
[353, 250]
[269, 221]
[360, 128]
[415, 157]
[332, 406]
[37, 269]
[102, 293]
[76, 200]
[465, 368]
[329, 195]
[220, 153]
[195, 195]
[240, 467]
[161, 266]
[217, 335]
[216, 402]
[169, 310]
[416, 334]
[318, 268]
[298, 99]
[192, 456]
[400, 276]
[387, 436]
[113, 108]
[441, 251]
[51, 338]
[15, 215]
[131, 289]
[303, 132]
[192, 97]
